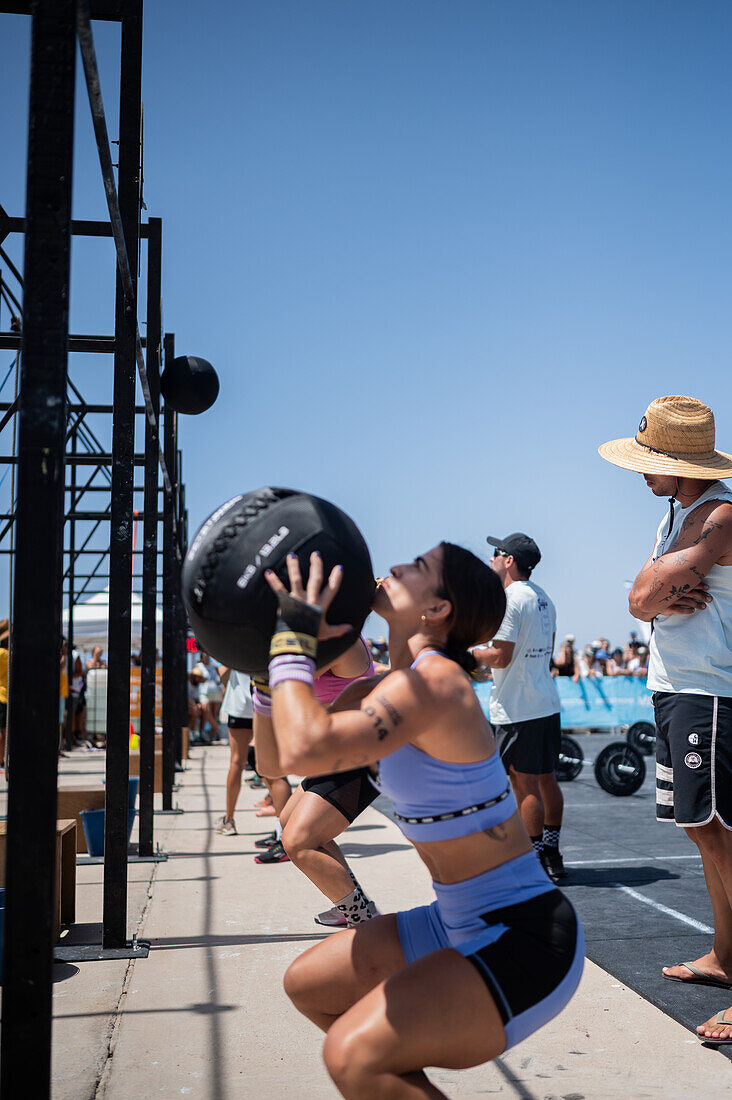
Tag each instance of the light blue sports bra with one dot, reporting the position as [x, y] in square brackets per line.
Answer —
[438, 800]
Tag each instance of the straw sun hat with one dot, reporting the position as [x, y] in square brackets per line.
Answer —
[676, 436]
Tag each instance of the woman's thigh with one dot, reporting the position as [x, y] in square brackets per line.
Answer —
[326, 980]
[312, 821]
[435, 1012]
[238, 744]
[291, 805]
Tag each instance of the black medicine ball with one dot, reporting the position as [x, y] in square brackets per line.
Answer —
[189, 384]
[232, 609]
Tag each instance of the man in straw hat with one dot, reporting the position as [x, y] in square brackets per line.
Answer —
[685, 591]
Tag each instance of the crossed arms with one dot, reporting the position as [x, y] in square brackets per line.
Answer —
[674, 583]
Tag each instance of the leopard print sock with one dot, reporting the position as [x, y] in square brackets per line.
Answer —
[356, 907]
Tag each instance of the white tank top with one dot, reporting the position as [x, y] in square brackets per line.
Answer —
[692, 654]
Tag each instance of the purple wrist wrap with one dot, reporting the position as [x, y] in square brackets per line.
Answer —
[291, 666]
[262, 703]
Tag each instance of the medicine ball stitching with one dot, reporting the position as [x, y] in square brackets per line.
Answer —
[242, 519]
[204, 564]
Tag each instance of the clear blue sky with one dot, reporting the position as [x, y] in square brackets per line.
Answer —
[437, 252]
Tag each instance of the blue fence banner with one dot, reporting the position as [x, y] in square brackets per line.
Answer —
[599, 702]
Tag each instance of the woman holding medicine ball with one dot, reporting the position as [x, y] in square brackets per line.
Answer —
[500, 952]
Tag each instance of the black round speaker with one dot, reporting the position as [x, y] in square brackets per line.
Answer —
[189, 384]
[232, 609]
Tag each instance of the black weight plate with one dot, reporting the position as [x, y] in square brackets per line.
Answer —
[571, 758]
[642, 736]
[620, 769]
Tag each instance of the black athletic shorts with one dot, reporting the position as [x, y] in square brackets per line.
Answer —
[693, 758]
[235, 723]
[529, 954]
[349, 792]
[536, 965]
[530, 747]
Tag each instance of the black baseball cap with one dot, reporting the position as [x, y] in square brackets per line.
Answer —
[520, 547]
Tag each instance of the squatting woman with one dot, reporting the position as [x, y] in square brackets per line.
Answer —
[500, 950]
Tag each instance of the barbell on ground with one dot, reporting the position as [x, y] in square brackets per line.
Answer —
[642, 736]
[619, 768]
[571, 758]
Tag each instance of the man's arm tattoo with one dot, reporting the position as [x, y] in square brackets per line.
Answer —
[655, 588]
[676, 593]
[709, 527]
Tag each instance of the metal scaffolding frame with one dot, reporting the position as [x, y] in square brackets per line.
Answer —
[58, 457]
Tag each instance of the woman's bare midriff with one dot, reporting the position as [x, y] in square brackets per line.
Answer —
[450, 861]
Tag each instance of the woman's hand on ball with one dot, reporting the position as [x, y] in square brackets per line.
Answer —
[315, 592]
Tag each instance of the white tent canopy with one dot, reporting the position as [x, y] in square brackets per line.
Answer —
[91, 621]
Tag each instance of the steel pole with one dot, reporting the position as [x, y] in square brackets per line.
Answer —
[25, 1060]
[170, 666]
[148, 650]
[114, 920]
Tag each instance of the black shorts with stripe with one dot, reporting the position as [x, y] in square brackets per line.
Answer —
[693, 758]
[348, 792]
[532, 747]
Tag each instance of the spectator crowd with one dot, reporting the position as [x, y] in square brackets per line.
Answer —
[601, 659]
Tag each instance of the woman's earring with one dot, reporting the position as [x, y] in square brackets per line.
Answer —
[424, 618]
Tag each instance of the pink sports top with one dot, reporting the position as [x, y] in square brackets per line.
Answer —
[328, 687]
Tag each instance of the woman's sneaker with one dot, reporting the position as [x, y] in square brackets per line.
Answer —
[226, 828]
[275, 854]
[332, 918]
[266, 841]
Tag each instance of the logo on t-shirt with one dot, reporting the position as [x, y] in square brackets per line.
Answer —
[693, 760]
[693, 738]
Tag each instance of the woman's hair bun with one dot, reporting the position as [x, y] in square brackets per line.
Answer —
[478, 603]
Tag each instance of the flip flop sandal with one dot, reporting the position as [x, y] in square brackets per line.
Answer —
[700, 978]
[720, 1019]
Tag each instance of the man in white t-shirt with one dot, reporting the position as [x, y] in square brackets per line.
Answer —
[524, 704]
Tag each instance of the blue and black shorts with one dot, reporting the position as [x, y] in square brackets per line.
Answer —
[529, 953]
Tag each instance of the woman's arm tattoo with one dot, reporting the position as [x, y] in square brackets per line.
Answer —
[390, 709]
[380, 722]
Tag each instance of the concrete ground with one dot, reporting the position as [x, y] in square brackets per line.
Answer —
[205, 1016]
